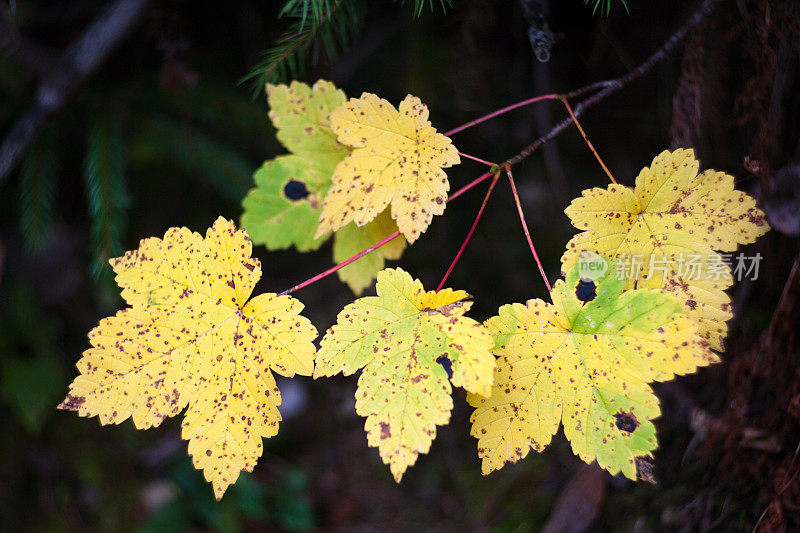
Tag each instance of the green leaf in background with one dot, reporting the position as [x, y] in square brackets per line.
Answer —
[351, 239]
[282, 503]
[31, 386]
[283, 210]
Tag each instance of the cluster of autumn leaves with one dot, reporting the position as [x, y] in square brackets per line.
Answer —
[192, 337]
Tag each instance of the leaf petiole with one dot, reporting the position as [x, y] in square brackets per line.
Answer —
[471, 231]
[525, 228]
[585, 138]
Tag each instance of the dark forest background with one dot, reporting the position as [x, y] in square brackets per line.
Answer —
[162, 133]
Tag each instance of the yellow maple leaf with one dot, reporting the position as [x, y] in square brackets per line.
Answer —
[300, 114]
[412, 345]
[398, 160]
[191, 337]
[584, 360]
[669, 228]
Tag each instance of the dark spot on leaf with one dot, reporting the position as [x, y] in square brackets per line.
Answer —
[385, 431]
[446, 364]
[72, 403]
[586, 291]
[626, 421]
[645, 468]
[295, 190]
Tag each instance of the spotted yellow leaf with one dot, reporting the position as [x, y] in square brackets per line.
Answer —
[586, 361]
[192, 336]
[397, 159]
[300, 114]
[412, 345]
[668, 230]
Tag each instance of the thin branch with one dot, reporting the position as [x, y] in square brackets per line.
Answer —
[359, 255]
[74, 67]
[478, 159]
[471, 231]
[477, 181]
[343, 264]
[588, 142]
[525, 228]
[607, 88]
[500, 112]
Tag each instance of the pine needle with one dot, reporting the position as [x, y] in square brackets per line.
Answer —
[604, 6]
[104, 177]
[38, 183]
[320, 27]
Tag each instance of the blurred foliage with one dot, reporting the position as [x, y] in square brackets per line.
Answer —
[31, 375]
[184, 501]
[104, 178]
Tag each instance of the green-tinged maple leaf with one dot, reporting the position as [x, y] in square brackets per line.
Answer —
[672, 218]
[398, 160]
[411, 344]
[350, 240]
[585, 361]
[283, 209]
[193, 337]
[300, 114]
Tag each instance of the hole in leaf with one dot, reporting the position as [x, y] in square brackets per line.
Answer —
[586, 291]
[626, 421]
[446, 364]
[295, 190]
